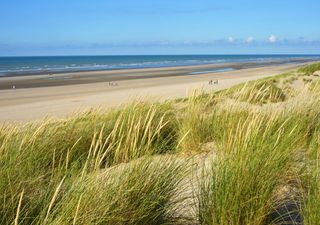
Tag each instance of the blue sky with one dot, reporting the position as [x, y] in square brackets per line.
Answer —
[97, 27]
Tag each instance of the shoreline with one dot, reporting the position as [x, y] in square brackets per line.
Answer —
[36, 103]
[72, 78]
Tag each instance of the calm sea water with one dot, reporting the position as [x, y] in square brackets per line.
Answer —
[54, 64]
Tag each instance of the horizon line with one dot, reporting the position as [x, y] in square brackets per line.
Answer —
[227, 54]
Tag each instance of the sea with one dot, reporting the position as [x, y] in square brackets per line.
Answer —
[19, 66]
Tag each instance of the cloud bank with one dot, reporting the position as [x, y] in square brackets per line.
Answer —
[228, 45]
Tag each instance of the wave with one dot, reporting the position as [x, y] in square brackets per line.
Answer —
[73, 64]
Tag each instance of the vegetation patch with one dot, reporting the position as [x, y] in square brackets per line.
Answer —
[259, 92]
[310, 69]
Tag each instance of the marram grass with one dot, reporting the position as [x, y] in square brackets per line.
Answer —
[140, 192]
[251, 147]
[238, 186]
[310, 69]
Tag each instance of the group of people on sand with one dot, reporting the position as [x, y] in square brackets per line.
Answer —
[211, 82]
[113, 83]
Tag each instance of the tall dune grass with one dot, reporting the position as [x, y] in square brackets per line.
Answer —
[311, 193]
[310, 69]
[260, 92]
[34, 158]
[141, 192]
[195, 127]
[239, 187]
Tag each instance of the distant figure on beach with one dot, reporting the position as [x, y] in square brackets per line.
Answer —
[14, 87]
[210, 82]
[216, 82]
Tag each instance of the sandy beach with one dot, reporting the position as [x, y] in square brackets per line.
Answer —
[39, 96]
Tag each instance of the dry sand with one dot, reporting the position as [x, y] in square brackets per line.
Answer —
[37, 97]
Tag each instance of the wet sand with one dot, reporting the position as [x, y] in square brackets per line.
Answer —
[39, 96]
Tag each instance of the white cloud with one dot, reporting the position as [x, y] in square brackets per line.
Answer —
[249, 40]
[273, 38]
[231, 39]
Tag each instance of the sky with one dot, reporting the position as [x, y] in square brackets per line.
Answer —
[135, 27]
